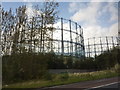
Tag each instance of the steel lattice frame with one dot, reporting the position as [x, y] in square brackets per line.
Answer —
[97, 45]
[33, 36]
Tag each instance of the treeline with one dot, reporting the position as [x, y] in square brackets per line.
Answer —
[106, 60]
[27, 66]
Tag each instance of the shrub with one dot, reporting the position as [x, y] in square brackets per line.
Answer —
[25, 66]
[48, 76]
[64, 76]
[61, 77]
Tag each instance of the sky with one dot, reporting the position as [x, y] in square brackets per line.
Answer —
[96, 18]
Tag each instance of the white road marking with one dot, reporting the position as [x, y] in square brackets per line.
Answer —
[57, 86]
[102, 85]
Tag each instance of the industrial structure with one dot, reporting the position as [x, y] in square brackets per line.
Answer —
[64, 37]
[98, 45]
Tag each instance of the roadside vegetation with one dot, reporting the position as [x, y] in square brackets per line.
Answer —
[31, 70]
[65, 78]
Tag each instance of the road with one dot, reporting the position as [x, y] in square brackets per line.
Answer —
[111, 83]
[114, 86]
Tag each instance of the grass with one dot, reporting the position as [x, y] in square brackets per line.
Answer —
[65, 78]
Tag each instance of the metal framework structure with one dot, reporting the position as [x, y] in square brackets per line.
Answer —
[95, 46]
[64, 37]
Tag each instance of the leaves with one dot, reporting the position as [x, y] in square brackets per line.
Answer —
[24, 31]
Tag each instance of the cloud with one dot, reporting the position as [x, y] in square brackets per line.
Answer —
[98, 31]
[31, 12]
[74, 6]
[113, 30]
[110, 8]
[90, 16]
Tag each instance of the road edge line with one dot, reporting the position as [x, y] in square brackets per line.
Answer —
[102, 85]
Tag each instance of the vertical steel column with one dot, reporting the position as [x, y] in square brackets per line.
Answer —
[88, 48]
[94, 47]
[118, 42]
[76, 40]
[71, 46]
[83, 45]
[113, 42]
[80, 46]
[58, 47]
[62, 42]
[107, 43]
[67, 47]
[101, 45]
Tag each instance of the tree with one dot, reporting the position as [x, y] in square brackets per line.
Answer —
[20, 30]
[108, 59]
[48, 15]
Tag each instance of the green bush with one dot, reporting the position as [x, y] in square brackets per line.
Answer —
[48, 76]
[61, 77]
[64, 76]
[108, 59]
[25, 66]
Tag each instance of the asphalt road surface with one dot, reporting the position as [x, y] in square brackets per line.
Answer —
[111, 83]
[113, 86]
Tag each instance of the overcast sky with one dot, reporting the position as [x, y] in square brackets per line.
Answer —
[96, 18]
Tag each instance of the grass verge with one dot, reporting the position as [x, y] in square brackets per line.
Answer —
[65, 78]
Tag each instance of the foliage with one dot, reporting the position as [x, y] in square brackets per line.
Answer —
[68, 62]
[103, 61]
[88, 63]
[55, 61]
[21, 30]
[64, 78]
[108, 59]
[50, 12]
[20, 61]
[25, 66]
